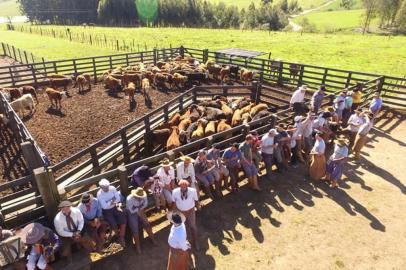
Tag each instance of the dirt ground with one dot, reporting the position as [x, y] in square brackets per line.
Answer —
[295, 223]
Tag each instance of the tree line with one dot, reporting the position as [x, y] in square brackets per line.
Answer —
[390, 13]
[177, 13]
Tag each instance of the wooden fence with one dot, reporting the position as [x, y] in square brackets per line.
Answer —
[19, 55]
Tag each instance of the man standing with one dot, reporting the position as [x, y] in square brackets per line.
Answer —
[339, 104]
[268, 146]
[354, 123]
[185, 200]
[317, 99]
[376, 104]
[179, 246]
[362, 135]
[232, 157]
[248, 164]
[297, 100]
[92, 214]
[347, 108]
[110, 202]
[69, 224]
[336, 162]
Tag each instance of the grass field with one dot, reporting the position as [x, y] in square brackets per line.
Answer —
[9, 8]
[336, 6]
[329, 21]
[370, 53]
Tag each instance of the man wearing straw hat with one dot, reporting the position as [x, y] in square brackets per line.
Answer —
[136, 203]
[376, 104]
[336, 162]
[110, 201]
[185, 200]
[166, 174]
[44, 244]
[362, 135]
[69, 224]
[185, 170]
[179, 246]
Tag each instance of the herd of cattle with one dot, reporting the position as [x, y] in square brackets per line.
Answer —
[206, 118]
[177, 72]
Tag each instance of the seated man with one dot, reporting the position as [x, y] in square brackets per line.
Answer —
[247, 162]
[4, 234]
[44, 243]
[92, 214]
[232, 157]
[69, 225]
[204, 173]
[110, 202]
[219, 170]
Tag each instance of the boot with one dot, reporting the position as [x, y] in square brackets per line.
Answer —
[255, 184]
[136, 240]
[218, 188]
[121, 239]
[207, 190]
[151, 235]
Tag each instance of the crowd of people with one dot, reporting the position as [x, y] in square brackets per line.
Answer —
[342, 127]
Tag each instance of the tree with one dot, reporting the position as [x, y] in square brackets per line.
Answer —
[251, 16]
[371, 7]
[117, 12]
[401, 18]
[347, 4]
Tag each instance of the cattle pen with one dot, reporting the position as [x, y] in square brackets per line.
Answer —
[115, 156]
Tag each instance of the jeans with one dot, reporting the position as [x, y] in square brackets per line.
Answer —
[268, 160]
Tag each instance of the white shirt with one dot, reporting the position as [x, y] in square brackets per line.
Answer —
[319, 147]
[306, 126]
[181, 173]
[339, 152]
[366, 126]
[355, 122]
[267, 143]
[105, 198]
[185, 204]
[134, 205]
[178, 238]
[319, 122]
[298, 96]
[61, 226]
[167, 178]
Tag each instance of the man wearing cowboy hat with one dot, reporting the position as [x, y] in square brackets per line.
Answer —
[69, 224]
[204, 173]
[247, 162]
[336, 162]
[185, 200]
[136, 203]
[179, 246]
[44, 244]
[185, 170]
[110, 200]
[297, 100]
[166, 174]
[354, 123]
[362, 135]
[92, 214]
[347, 107]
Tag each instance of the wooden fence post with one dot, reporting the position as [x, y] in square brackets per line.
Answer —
[300, 80]
[75, 69]
[323, 82]
[55, 68]
[11, 76]
[4, 49]
[94, 70]
[259, 89]
[182, 51]
[166, 112]
[181, 103]
[124, 143]
[123, 177]
[381, 83]
[254, 89]
[347, 83]
[95, 160]
[126, 59]
[280, 74]
[209, 142]
[34, 75]
[155, 56]
[30, 156]
[26, 57]
[14, 52]
[49, 191]
[194, 95]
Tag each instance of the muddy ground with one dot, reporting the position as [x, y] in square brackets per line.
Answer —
[295, 223]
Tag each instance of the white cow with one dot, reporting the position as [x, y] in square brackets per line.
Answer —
[23, 103]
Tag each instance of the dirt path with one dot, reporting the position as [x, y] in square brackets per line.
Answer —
[296, 27]
[297, 224]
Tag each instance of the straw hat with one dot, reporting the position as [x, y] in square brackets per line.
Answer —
[297, 118]
[329, 109]
[341, 141]
[176, 217]
[166, 162]
[104, 183]
[32, 233]
[183, 183]
[139, 193]
[187, 158]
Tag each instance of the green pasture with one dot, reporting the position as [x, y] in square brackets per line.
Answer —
[9, 8]
[331, 21]
[369, 53]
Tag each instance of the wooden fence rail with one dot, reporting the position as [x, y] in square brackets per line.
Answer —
[19, 55]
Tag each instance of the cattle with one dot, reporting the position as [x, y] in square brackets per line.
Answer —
[211, 103]
[214, 114]
[228, 112]
[246, 75]
[225, 74]
[158, 137]
[130, 91]
[179, 80]
[13, 93]
[27, 89]
[236, 120]
[247, 108]
[131, 78]
[293, 70]
[199, 132]
[60, 82]
[210, 128]
[184, 124]
[193, 113]
[175, 120]
[275, 67]
[3, 119]
[56, 76]
[223, 126]
[257, 108]
[113, 84]
[55, 96]
[173, 140]
[246, 117]
[22, 103]
[214, 69]
[263, 114]
[159, 80]
[81, 81]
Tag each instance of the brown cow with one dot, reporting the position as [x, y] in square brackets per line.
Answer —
[173, 141]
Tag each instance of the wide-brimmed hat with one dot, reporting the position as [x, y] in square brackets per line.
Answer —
[376, 94]
[273, 131]
[104, 183]
[184, 158]
[184, 183]
[32, 233]
[86, 198]
[329, 109]
[166, 162]
[64, 204]
[303, 87]
[176, 217]
[342, 141]
[139, 193]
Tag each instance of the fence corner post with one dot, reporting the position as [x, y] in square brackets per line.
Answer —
[123, 177]
[381, 83]
[49, 192]
[182, 51]
[254, 90]
[30, 156]
[280, 74]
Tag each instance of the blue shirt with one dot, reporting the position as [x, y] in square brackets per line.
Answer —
[376, 105]
[348, 102]
[95, 210]
[228, 154]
